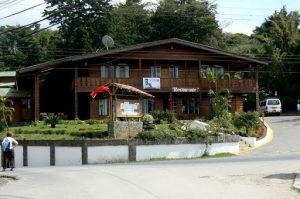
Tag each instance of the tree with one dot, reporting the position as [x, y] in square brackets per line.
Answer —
[190, 20]
[130, 23]
[82, 23]
[6, 111]
[279, 41]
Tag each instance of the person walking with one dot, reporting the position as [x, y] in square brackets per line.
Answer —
[8, 154]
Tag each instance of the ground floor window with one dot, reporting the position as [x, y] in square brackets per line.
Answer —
[103, 108]
[148, 105]
[190, 106]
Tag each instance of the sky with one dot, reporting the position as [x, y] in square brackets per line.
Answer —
[235, 16]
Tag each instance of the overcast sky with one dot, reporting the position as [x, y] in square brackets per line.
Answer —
[236, 16]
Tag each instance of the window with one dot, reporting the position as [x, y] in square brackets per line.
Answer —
[155, 71]
[148, 105]
[219, 71]
[203, 70]
[120, 70]
[173, 71]
[103, 107]
[190, 106]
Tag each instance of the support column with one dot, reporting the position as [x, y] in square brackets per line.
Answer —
[257, 89]
[37, 97]
[199, 85]
[75, 92]
[140, 74]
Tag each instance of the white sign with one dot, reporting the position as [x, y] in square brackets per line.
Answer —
[129, 109]
[151, 83]
[185, 90]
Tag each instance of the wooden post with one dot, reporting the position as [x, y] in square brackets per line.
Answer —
[76, 93]
[25, 153]
[140, 74]
[257, 89]
[37, 97]
[199, 84]
[52, 153]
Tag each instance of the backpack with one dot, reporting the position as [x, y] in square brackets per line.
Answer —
[5, 145]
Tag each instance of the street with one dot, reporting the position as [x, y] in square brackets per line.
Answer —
[266, 172]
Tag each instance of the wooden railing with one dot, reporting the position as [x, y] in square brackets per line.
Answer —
[86, 84]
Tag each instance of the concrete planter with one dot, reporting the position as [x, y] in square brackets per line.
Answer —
[123, 129]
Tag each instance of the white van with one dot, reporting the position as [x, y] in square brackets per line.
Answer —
[270, 106]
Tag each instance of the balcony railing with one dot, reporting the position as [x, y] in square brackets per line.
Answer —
[86, 84]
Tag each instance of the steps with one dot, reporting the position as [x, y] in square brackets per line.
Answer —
[244, 146]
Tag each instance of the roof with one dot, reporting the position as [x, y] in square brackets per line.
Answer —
[7, 73]
[138, 47]
[129, 89]
[12, 92]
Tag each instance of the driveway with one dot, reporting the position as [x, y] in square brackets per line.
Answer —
[267, 172]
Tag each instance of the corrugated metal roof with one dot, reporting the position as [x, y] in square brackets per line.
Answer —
[7, 73]
[12, 92]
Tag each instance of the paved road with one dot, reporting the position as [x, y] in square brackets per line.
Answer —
[267, 172]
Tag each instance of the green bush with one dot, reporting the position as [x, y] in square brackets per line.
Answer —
[147, 118]
[90, 134]
[163, 117]
[52, 120]
[196, 133]
[222, 124]
[72, 122]
[157, 135]
[249, 122]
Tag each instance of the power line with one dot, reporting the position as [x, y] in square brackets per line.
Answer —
[22, 11]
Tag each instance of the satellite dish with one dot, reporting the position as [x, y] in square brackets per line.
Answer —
[107, 41]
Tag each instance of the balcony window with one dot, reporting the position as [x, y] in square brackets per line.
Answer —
[219, 71]
[119, 71]
[190, 106]
[103, 108]
[155, 71]
[173, 71]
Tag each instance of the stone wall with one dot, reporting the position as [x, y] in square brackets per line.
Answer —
[124, 129]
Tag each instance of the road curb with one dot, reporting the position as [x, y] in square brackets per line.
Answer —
[268, 138]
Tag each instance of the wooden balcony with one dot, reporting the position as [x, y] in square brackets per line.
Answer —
[87, 84]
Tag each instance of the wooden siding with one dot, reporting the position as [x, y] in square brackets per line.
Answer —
[87, 84]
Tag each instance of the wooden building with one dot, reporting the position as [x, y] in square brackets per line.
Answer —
[172, 70]
[20, 99]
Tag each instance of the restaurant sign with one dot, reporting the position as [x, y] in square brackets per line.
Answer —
[185, 90]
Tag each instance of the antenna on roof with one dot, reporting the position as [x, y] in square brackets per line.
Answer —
[107, 41]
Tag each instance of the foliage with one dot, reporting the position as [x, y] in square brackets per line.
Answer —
[82, 24]
[190, 20]
[157, 135]
[6, 110]
[130, 23]
[220, 102]
[147, 118]
[52, 120]
[249, 121]
[222, 124]
[26, 46]
[278, 39]
[163, 116]
[96, 121]
[196, 133]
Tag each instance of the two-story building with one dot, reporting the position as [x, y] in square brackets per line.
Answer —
[172, 70]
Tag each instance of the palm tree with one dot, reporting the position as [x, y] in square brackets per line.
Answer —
[6, 111]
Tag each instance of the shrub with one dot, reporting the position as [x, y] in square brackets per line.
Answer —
[196, 133]
[90, 134]
[157, 135]
[163, 117]
[52, 120]
[248, 121]
[222, 124]
[147, 118]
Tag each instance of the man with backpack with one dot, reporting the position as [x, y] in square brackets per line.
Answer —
[8, 155]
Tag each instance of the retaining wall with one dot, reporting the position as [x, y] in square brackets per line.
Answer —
[36, 153]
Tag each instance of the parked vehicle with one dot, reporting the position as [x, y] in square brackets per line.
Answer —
[298, 107]
[270, 106]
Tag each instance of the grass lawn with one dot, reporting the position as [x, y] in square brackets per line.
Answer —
[64, 131]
